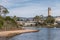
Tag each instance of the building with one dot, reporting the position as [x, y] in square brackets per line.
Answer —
[30, 23]
[26, 23]
[20, 22]
[57, 19]
[49, 11]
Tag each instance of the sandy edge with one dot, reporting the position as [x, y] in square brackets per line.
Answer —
[16, 32]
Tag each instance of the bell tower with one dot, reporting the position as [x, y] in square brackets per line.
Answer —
[49, 11]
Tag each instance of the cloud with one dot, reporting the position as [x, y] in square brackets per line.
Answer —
[28, 11]
[10, 2]
[28, 8]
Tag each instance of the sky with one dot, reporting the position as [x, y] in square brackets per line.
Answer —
[31, 8]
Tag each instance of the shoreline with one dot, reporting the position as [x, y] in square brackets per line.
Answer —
[15, 32]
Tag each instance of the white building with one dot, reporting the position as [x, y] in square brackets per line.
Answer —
[27, 23]
[20, 22]
[57, 19]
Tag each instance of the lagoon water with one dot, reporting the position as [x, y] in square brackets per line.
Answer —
[43, 34]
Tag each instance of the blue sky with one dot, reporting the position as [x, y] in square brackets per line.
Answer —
[31, 8]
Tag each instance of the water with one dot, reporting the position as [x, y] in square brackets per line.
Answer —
[43, 34]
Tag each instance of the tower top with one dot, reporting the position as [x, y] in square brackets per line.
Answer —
[49, 8]
[49, 11]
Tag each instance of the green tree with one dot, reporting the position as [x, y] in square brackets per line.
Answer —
[15, 18]
[10, 20]
[1, 22]
[50, 20]
[5, 12]
[7, 18]
[37, 18]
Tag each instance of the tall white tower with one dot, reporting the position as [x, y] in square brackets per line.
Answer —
[49, 11]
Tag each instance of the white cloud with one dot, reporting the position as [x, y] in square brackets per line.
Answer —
[6, 3]
[13, 3]
[20, 8]
[29, 11]
[19, 0]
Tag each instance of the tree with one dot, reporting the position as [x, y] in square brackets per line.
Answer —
[15, 18]
[3, 10]
[50, 20]
[18, 19]
[8, 18]
[37, 18]
[1, 21]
